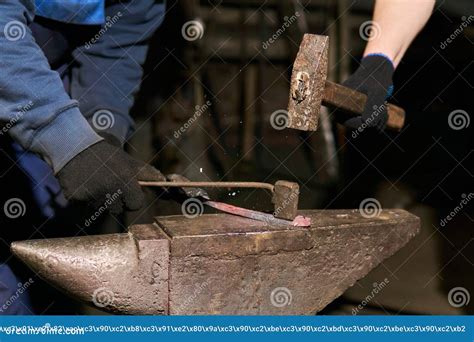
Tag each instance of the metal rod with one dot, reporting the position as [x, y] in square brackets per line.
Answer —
[251, 185]
[257, 215]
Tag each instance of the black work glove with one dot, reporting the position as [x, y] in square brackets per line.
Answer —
[373, 78]
[104, 176]
[146, 172]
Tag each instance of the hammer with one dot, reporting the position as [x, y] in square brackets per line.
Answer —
[310, 88]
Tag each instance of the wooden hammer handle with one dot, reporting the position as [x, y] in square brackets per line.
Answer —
[353, 102]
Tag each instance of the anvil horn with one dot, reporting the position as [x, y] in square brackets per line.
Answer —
[114, 272]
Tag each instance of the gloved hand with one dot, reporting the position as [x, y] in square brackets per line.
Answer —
[104, 176]
[146, 172]
[373, 78]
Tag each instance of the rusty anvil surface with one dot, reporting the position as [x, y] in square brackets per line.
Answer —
[221, 264]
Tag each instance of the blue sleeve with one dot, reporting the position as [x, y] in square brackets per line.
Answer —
[35, 110]
[108, 69]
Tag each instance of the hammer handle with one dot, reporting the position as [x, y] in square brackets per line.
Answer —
[353, 102]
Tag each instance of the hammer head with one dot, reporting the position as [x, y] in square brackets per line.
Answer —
[285, 199]
[307, 83]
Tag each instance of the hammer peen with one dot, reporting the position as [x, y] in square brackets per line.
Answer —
[310, 88]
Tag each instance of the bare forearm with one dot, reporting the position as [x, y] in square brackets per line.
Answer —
[397, 22]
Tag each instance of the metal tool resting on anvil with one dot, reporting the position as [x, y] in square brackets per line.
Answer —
[285, 197]
[310, 88]
[221, 264]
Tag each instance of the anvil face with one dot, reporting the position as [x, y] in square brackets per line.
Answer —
[221, 264]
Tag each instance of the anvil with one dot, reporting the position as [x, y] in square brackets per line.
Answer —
[221, 264]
